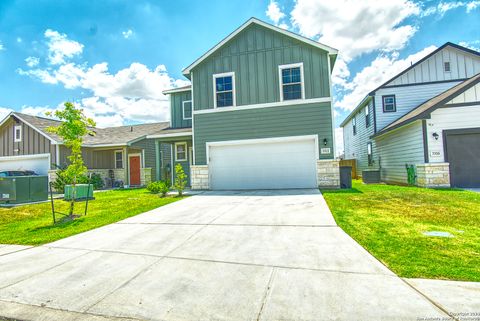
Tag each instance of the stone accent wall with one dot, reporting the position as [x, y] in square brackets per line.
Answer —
[146, 176]
[199, 177]
[328, 173]
[433, 175]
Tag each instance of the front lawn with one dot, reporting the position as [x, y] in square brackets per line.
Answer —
[389, 222]
[32, 224]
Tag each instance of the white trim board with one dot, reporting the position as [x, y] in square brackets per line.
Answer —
[183, 109]
[266, 105]
[185, 151]
[330, 50]
[170, 135]
[225, 74]
[302, 81]
[7, 158]
[52, 141]
[176, 90]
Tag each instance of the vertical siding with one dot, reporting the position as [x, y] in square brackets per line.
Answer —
[449, 118]
[400, 147]
[254, 55]
[462, 65]
[470, 95]
[176, 105]
[92, 158]
[356, 145]
[148, 145]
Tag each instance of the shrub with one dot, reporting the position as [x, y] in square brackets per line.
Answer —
[159, 187]
[65, 178]
[180, 179]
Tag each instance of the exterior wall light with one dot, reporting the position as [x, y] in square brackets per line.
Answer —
[325, 141]
[435, 135]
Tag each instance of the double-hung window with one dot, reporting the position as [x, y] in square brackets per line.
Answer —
[17, 133]
[367, 116]
[389, 103]
[187, 109]
[354, 125]
[291, 82]
[181, 152]
[118, 159]
[224, 89]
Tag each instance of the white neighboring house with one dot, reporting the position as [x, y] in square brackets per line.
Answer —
[427, 116]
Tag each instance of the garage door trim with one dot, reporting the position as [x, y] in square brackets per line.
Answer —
[262, 141]
[32, 156]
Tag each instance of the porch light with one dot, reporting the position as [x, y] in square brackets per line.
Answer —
[435, 135]
[325, 141]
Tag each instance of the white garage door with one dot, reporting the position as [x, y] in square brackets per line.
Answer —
[40, 164]
[263, 164]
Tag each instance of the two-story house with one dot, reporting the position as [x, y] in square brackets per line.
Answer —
[427, 117]
[258, 113]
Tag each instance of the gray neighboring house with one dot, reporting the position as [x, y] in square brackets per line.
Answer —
[427, 116]
[125, 151]
[258, 114]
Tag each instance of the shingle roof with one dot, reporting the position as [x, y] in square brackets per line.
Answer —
[170, 131]
[120, 135]
[423, 110]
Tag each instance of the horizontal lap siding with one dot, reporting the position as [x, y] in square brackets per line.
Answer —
[400, 147]
[148, 145]
[280, 121]
[176, 102]
[254, 55]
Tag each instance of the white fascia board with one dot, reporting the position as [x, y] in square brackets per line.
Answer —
[359, 106]
[170, 135]
[176, 90]
[7, 158]
[30, 125]
[330, 50]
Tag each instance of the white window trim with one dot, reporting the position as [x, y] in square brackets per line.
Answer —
[367, 112]
[15, 128]
[449, 66]
[183, 109]
[280, 79]
[115, 160]
[186, 152]
[225, 74]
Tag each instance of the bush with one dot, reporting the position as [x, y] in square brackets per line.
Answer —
[159, 187]
[63, 179]
[180, 179]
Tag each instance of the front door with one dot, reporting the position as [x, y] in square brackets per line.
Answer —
[134, 170]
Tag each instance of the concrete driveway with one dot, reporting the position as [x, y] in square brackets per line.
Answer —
[262, 255]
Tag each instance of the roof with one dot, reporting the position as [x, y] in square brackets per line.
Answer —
[406, 70]
[359, 106]
[330, 50]
[177, 90]
[171, 132]
[424, 110]
[121, 135]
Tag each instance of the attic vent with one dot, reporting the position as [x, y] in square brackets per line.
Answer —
[446, 66]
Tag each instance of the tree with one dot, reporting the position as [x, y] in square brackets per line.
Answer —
[75, 125]
[180, 179]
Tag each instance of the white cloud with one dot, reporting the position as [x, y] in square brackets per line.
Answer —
[474, 44]
[379, 71]
[60, 48]
[32, 61]
[356, 27]
[445, 6]
[19, 40]
[274, 12]
[127, 34]
[1, 46]
[4, 111]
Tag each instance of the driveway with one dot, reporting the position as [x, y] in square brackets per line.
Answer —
[260, 255]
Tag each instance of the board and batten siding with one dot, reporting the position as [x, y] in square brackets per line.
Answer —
[462, 65]
[149, 157]
[176, 107]
[398, 148]
[93, 159]
[407, 98]
[355, 146]
[278, 121]
[32, 143]
[471, 95]
[254, 56]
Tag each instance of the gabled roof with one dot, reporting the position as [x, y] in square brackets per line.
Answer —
[330, 50]
[362, 104]
[177, 90]
[424, 110]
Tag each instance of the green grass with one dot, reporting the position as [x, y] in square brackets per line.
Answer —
[389, 221]
[33, 224]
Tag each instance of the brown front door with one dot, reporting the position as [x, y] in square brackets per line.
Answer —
[134, 170]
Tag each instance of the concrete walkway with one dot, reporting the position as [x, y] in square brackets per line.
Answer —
[263, 255]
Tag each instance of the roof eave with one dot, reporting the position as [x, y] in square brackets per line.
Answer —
[365, 100]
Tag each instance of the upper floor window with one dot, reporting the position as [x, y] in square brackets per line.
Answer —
[181, 152]
[389, 103]
[17, 134]
[354, 125]
[369, 154]
[446, 66]
[118, 159]
[224, 89]
[291, 82]
[367, 116]
[187, 109]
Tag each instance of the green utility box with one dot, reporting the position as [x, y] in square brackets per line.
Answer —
[23, 189]
[82, 192]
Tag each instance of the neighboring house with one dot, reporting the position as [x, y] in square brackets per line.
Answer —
[258, 113]
[122, 152]
[427, 116]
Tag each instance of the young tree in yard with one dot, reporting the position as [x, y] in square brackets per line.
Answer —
[75, 125]
[180, 179]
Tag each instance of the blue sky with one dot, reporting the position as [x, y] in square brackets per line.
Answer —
[115, 57]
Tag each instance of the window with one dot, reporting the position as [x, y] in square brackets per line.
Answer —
[389, 104]
[187, 109]
[181, 152]
[118, 159]
[354, 125]
[446, 66]
[291, 82]
[367, 116]
[369, 154]
[224, 89]
[18, 134]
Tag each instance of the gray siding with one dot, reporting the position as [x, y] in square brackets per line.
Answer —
[356, 145]
[400, 147]
[176, 105]
[92, 158]
[32, 141]
[254, 55]
[279, 121]
[148, 145]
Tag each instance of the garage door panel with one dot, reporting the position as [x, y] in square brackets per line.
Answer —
[463, 152]
[263, 165]
[40, 164]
